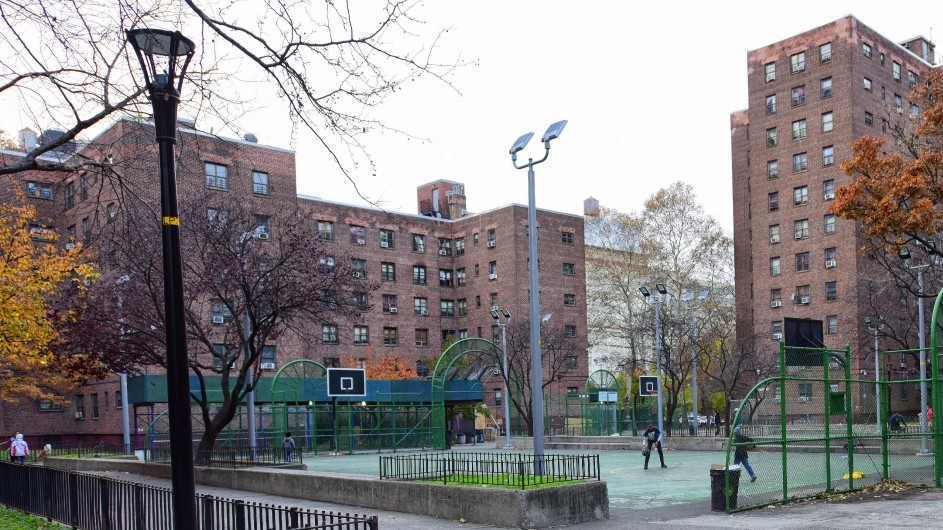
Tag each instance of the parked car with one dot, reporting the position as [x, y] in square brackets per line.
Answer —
[701, 420]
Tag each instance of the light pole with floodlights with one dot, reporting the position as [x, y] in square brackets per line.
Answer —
[164, 57]
[536, 376]
[689, 298]
[660, 287]
[922, 337]
[507, 375]
[876, 327]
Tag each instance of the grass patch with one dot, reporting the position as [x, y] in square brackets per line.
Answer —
[14, 520]
[502, 481]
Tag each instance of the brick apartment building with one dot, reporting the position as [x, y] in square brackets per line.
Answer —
[810, 97]
[439, 271]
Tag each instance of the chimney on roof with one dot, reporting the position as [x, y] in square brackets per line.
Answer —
[591, 207]
[28, 139]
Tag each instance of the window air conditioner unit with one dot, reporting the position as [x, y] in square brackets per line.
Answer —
[79, 415]
[384, 244]
[830, 264]
[804, 399]
[777, 336]
[424, 312]
[218, 319]
[496, 371]
[358, 274]
[264, 236]
[360, 241]
[268, 366]
[804, 300]
[443, 252]
[829, 195]
[70, 246]
[420, 344]
[491, 244]
[776, 303]
[493, 276]
[393, 310]
[774, 239]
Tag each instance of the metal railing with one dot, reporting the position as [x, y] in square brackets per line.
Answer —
[79, 451]
[231, 456]
[495, 469]
[92, 502]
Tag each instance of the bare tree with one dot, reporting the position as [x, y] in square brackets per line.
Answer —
[66, 66]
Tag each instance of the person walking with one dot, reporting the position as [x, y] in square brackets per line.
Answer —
[10, 449]
[288, 445]
[19, 449]
[742, 453]
[896, 420]
[652, 438]
[716, 423]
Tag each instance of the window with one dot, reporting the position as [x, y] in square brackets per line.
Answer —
[914, 111]
[361, 335]
[387, 272]
[45, 404]
[422, 341]
[83, 187]
[41, 233]
[326, 230]
[802, 294]
[866, 49]
[357, 235]
[798, 129]
[801, 228]
[69, 195]
[445, 247]
[566, 238]
[828, 189]
[569, 330]
[831, 322]
[460, 246]
[771, 104]
[118, 404]
[389, 337]
[770, 72]
[462, 307]
[477, 300]
[268, 357]
[216, 176]
[460, 276]
[70, 232]
[259, 183]
[868, 118]
[37, 190]
[221, 312]
[86, 226]
[420, 306]
[94, 406]
[911, 78]
[419, 243]
[805, 391]
[897, 104]
[568, 269]
[777, 327]
[445, 277]
[387, 239]
[331, 362]
[262, 224]
[358, 267]
[327, 265]
[360, 299]
[447, 308]
[828, 155]
[492, 238]
[827, 124]
[389, 303]
[493, 269]
[798, 96]
[867, 84]
[830, 257]
[328, 298]
[80, 407]
[419, 275]
[800, 195]
[494, 300]
[831, 291]
[569, 300]
[329, 333]
[882, 59]
[771, 137]
[773, 199]
[774, 266]
[829, 223]
[476, 270]
[800, 162]
[495, 333]
[776, 295]
[772, 169]
[895, 69]
[497, 398]
[774, 234]
[827, 87]
[475, 239]
[825, 52]
[220, 351]
[802, 262]
[798, 62]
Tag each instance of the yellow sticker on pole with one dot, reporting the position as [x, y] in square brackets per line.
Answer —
[171, 221]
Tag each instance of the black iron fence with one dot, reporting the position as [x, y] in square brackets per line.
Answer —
[494, 469]
[92, 502]
[78, 451]
[231, 456]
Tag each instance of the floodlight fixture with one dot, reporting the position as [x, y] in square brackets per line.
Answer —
[520, 143]
[904, 252]
[494, 314]
[660, 287]
[546, 317]
[507, 314]
[553, 131]
[867, 321]
[645, 292]
[703, 295]
[688, 296]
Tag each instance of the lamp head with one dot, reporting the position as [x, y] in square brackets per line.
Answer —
[506, 313]
[546, 317]
[688, 296]
[904, 252]
[645, 292]
[703, 295]
[494, 314]
[164, 56]
[520, 144]
[867, 321]
[660, 287]
[553, 131]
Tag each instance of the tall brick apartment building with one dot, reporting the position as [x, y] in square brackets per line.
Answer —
[439, 271]
[810, 97]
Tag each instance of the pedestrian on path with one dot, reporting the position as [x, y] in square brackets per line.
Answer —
[742, 454]
[288, 445]
[716, 423]
[652, 437]
[10, 449]
[19, 450]
[896, 420]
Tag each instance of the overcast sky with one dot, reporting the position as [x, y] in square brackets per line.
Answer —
[647, 87]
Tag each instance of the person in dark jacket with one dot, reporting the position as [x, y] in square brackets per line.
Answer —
[288, 445]
[652, 437]
[896, 420]
[716, 423]
[742, 455]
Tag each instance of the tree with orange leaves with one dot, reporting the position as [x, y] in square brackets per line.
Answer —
[897, 195]
[41, 288]
[386, 365]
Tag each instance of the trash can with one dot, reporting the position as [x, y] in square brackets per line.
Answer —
[718, 501]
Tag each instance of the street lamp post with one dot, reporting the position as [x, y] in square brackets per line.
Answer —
[660, 287]
[876, 327]
[689, 298]
[922, 336]
[536, 376]
[125, 420]
[164, 57]
[246, 242]
[505, 373]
